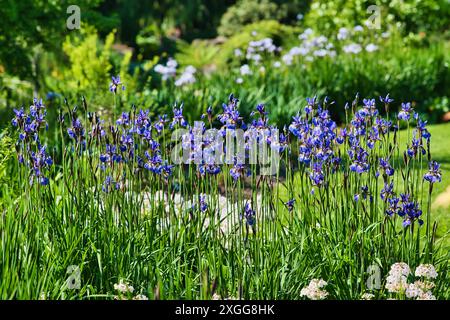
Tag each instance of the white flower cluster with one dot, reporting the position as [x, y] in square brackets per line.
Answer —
[397, 281]
[367, 296]
[310, 47]
[187, 77]
[320, 46]
[427, 271]
[244, 70]
[218, 297]
[343, 34]
[421, 290]
[314, 290]
[123, 287]
[256, 50]
[352, 48]
[257, 47]
[167, 71]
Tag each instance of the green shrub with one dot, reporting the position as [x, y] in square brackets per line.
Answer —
[411, 16]
[245, 12]
[6, 153]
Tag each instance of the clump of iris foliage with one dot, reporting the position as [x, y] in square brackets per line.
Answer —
[344, 199]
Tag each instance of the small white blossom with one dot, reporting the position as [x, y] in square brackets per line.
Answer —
[352, 48]
[314, 290]
[401, 268]
[371, 47]
[171, 63]
[397, 280]
[427, 271]
[306, 34]
[256, 57]
[358, 28]
[413, 291]
[426, 296]
[187, 77]
[320, 53]
[367, 296]
[287, 59]
[123, 287]
[245, 70]
[342, 34]
[167, 71]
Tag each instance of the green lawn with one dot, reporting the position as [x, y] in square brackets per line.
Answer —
[440, 151]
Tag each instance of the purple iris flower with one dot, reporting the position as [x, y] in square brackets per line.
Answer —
[434, 174]
[178, 117]
[405, 112]
[388, 169]
[249, 214]
[290, 204]
[115, 83]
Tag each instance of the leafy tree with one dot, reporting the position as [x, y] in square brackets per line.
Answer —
[26, 24]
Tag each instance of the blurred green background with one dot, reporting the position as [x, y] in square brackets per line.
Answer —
[407, 55]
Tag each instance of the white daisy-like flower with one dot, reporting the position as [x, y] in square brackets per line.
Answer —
[140, 297]
[239, 80]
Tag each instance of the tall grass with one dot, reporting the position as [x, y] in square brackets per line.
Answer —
[116, 206]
